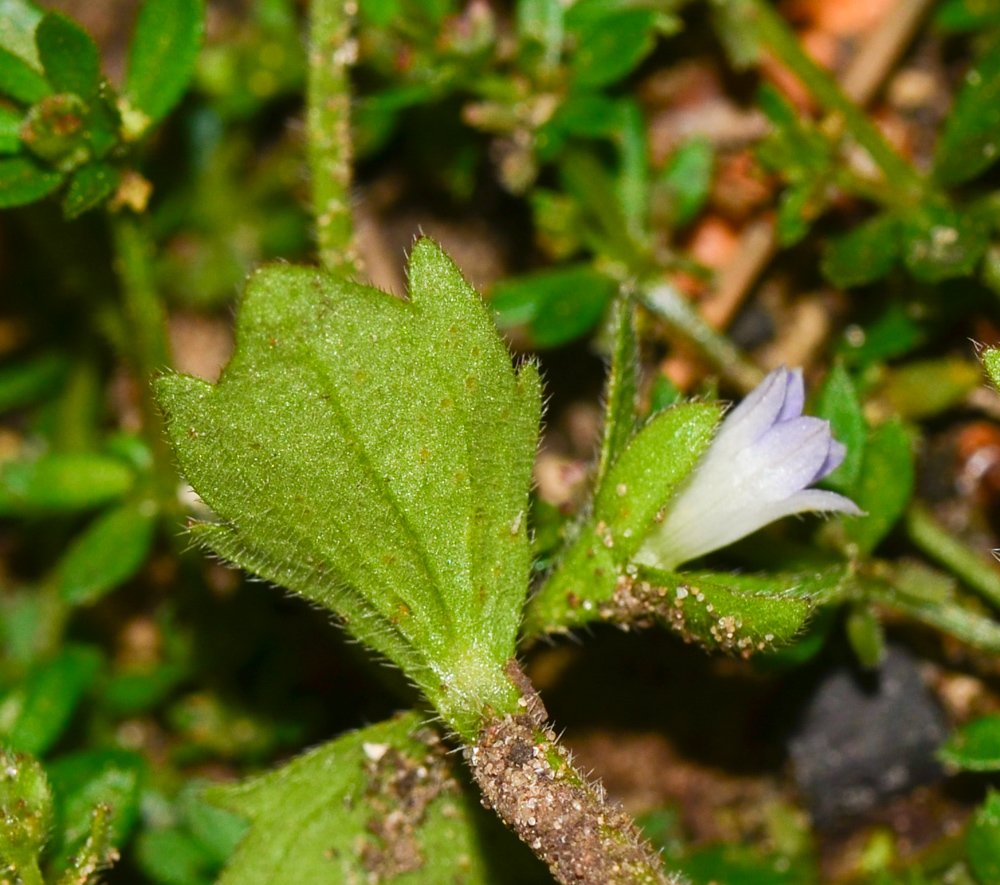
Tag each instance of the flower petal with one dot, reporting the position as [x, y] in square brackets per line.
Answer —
[745, 424]
[795, 396]
[786, 459]
[834, 458]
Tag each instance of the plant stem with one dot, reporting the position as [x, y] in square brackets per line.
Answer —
[944, 548]
[331, 51]
[149, 353]
[530, 780]
[779, 39]
[666, 302]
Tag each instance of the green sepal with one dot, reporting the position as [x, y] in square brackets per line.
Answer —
[389, 810]
[374, 455]
[627, 508]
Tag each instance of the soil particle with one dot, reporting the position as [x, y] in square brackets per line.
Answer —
[400, 789]
[529, 780]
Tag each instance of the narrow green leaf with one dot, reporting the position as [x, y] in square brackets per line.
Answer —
[69, 55]
[610, 46]
[19, 80]
[390, 809]
[970, 140]
[90, 186]
[557, 305]
[23, 181]
[107, 554]
[41, 708]
[737, 27]
[31, 380]
[62, 483]
[982, 842]
[865, 633]
[883, 487]
[976, 746]
[10, 131]
[374, 455]
[23, 833]
[165, 46]
[687, 178]
[838, 403]
[866, 254]
[621, 392]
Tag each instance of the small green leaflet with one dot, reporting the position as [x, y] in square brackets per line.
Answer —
[389, 810]
[374, 455]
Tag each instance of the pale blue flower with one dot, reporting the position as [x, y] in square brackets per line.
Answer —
[757, 469]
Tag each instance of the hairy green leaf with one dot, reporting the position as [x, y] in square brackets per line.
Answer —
[389, 810]
[991, 362]
[70, 57]
[165, 46]
[743, 614]
[374, 455]
[627, 507]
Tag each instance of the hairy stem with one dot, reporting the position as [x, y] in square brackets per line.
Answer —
[666, 302]
[149, 352]
[529, 779]
[328, 98]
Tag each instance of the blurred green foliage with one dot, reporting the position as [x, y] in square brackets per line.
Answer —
[132, 672]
